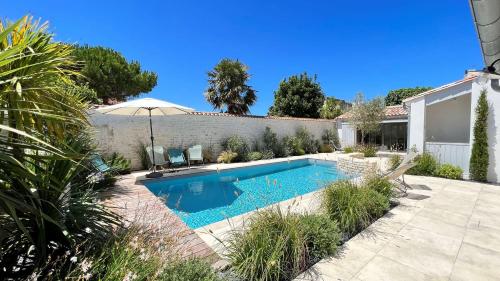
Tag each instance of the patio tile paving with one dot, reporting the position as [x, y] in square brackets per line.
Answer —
[382, 269]
[452, 235]
[476, 263]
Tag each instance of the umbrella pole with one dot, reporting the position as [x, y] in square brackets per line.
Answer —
[153, 174]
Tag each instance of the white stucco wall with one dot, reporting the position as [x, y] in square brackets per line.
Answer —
[416, 122]
[493, 125]
[123, 133]
[449, 121]
[348, 135]
[440, 108]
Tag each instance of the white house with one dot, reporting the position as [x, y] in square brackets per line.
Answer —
[392, 135]
[441, 121]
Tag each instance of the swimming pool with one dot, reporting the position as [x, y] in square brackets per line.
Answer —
[204, 198]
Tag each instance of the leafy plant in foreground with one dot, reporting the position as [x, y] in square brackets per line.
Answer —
[47, 207]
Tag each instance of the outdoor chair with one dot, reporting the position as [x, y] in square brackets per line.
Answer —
[159, 152]
[395, 175]
[335, 147]
[101, 170]
[176, 157]
[195, 153]
[99, 164]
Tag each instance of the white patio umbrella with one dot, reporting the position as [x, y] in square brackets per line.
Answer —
[146, 107]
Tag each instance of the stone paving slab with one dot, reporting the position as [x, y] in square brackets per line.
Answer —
[453, 234]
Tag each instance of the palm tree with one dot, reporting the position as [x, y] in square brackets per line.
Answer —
[45, 202]
[227, 88]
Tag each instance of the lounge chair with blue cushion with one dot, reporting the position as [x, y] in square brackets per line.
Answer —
[99, 164]
[176, 157]
[195, 153]
[159, 152]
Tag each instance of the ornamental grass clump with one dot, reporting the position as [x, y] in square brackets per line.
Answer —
[380, 184]
[278, 246]
[226, 157]
[353, 207]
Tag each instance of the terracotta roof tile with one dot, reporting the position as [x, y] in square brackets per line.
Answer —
[393, 111]
[256, 116]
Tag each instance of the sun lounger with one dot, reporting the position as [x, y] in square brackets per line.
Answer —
[99, 164]
[176, 157]
[195, 153]
[395, 175]
[159, 153]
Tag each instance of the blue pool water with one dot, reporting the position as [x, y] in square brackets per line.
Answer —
[206, 198]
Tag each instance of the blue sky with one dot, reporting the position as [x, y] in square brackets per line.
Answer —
[353, 46]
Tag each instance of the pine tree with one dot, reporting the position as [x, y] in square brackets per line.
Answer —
[479, 158]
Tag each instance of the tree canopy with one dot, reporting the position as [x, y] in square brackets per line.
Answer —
[333, 107]
[396, 97]
[366, 116]
[108, 73]
[298, 96]
[227, 89]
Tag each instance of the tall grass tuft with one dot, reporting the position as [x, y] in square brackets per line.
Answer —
[271, 248]
[353, 207]
[278, 246]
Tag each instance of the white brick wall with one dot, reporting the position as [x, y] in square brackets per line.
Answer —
[122, 133]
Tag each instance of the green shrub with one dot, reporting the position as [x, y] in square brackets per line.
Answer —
[322, 236]
[449, 171]
[278, 246]
[288, 146]
[479, 159]
[325, 148]
[118, 163]
[395, 161]
[368, 150]
[331, 137]
[267, 154]
[426, 165]
[227, 157]
[380, 184]
[271, 142]
[254, 155]
[293, 146]
[348, 149]
[238, 145]
[353, 207]
[305, 141]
